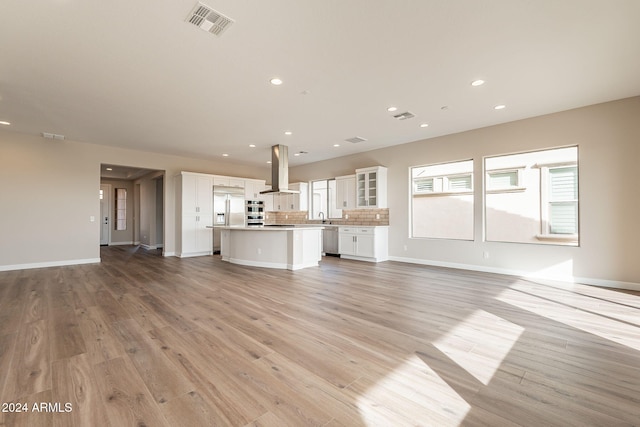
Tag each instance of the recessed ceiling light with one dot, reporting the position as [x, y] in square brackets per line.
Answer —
[288, 132]
[276, 81]
[252, 145]
[477, 83]
[296, 154]
[392, 109]
[109, 169]
[225, 155]
[4, 123]
[424, 125]
[500, 107]
[336, 145]
[269, 161]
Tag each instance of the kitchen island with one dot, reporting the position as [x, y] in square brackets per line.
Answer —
[284, 247]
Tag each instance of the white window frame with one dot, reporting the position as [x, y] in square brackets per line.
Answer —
[513, 188]
[120, 209]
[545, 204]
[442, 185]
[440, 188]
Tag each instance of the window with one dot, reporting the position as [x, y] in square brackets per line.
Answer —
[562, 205]
[121, 209]
[442, 201]
[504, 180]
[323, 199]
[532, 197]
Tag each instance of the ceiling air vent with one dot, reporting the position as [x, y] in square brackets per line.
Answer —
[355, 139]
[209, 20]
[48, 135]
[404, 116]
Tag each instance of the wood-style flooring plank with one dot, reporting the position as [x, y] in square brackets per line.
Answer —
[74, 384]
[127, 400]
[216, 384]
[157, 372]
[140, 339]
[30, 370]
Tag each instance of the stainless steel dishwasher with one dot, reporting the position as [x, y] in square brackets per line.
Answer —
[330, 239]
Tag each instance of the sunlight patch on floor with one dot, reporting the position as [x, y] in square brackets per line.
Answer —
[412, 394]
[564, 311]
[480, 343]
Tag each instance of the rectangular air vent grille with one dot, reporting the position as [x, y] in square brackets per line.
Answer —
[404, 116]
[49, 135]
[209, 20]
[355, 139]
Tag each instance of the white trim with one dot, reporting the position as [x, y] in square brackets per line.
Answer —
[362, 258]
[192, 254]
[277, 265]
[616, 284]
[49, 264]
[120, 243]
[149, 247]
[166, 254]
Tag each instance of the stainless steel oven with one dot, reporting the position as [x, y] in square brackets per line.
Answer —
[254, 212]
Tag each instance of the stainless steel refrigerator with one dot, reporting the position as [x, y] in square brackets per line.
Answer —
[228, 209]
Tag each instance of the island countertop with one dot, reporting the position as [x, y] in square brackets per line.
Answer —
[272, 227]
[288, 247]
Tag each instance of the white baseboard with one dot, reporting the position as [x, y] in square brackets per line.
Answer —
[49, 264]
[168, 254]
[150, 247]
[121, 243]
[615, 284]
[192, 254]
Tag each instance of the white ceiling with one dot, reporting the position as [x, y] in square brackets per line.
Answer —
[135, 74]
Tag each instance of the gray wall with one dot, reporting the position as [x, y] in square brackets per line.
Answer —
[608, 136]
[48, 191]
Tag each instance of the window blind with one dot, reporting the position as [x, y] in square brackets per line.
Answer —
[502, 180]
[460, 183]
[563, 200]
[423, 185]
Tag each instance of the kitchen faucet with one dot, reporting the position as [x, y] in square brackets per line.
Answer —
[322, 214]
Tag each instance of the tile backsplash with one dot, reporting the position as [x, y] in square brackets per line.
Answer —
[349, 217]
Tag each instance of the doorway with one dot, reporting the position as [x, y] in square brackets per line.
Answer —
[136, 196]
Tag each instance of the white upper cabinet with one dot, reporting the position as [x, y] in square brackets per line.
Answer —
[197, 193]
[292, 202]
[228, 181]
[371, 187]
[252, 189]
[346, 192]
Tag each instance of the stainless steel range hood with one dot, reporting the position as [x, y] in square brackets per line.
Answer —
[279, 171]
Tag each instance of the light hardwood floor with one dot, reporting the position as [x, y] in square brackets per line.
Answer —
[141, 340]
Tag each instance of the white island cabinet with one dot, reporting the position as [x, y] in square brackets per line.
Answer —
[364, 243]
[291, 248]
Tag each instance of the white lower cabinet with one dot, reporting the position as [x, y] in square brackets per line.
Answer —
[364, 243]
[196, 237]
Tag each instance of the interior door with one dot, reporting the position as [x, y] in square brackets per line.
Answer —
[105, 214]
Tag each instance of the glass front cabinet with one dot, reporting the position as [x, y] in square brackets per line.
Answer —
[371, 187]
